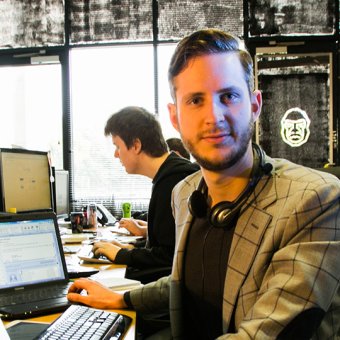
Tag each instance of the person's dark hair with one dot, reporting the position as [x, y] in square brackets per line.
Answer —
[176, 144]
[132, 123]
[205, 42]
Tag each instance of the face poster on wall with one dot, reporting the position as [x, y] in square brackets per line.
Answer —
[296, 119]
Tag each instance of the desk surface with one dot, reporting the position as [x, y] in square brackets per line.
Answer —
[120, 271]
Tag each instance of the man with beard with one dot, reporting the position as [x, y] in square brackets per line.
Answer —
[257, 238]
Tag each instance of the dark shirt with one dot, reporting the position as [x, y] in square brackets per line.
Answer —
[205, 268]
[160, 246]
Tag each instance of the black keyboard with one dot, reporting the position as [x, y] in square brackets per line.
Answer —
[82, 322]
[33, 295]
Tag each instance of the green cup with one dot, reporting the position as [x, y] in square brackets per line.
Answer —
[126, 208]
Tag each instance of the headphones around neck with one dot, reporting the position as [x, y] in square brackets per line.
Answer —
[222, 213]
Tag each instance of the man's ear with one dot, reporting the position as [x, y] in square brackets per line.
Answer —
[256, 104]
[173, 115]
[137, 146]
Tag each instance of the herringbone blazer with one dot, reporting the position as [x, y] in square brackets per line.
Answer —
[284, 258]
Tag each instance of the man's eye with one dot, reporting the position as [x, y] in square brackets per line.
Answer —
[229, 97]
[195, 101]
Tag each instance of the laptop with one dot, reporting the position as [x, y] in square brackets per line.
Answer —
[33, 274]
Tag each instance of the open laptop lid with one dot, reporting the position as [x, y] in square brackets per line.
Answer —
[31, 252]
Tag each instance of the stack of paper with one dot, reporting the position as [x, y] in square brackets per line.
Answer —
[107, 278]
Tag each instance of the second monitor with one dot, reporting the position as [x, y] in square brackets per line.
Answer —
[25, 181]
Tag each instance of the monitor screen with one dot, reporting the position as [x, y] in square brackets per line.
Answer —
[25, 180]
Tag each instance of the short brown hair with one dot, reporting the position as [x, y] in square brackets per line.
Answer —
[205, 42]
[133, 122]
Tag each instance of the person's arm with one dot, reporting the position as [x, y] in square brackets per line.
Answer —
[153, 297]
[161, 244]
[131, 256]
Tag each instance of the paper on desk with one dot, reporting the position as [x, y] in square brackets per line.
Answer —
[107, 278]
[3, 333]
[74, 238]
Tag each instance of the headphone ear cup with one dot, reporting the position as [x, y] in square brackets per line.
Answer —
[221, 214]
[198, 204]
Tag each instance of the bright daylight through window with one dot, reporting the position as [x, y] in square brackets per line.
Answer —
[104, 80]
[31, 109]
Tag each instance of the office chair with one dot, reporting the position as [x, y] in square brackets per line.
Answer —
[147, 275]
[335, 170]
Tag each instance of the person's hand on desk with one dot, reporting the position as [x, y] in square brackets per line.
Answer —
[135, 227]
[98, 296]
[122, 245]
[107, 249]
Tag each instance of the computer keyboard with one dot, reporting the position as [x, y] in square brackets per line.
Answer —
[82, 322]
[36, 294]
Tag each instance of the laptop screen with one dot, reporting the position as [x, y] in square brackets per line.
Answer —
[29, 253]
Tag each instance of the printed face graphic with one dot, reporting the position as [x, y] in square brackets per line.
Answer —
[295, 127]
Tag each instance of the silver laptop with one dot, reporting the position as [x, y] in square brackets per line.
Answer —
[33, 274]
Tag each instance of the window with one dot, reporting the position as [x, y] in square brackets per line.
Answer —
[31, 109]
[164, 54]
[104, 80]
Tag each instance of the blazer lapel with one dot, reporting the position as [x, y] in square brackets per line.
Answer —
[248, 234]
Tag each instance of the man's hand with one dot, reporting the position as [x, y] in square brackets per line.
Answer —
[98, 296]
[135, 227]
[107, 249]
[122, 245]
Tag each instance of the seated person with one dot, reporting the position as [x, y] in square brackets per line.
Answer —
[141, 148]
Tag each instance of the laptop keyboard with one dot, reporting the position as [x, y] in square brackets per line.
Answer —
[86, 250]
[36, 294]
[82, 322]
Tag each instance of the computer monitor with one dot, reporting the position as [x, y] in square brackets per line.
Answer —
[61, 192]
[25, 183]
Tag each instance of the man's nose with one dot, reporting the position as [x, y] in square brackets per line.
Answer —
[216, 112]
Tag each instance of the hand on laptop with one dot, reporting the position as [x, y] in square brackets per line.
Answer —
[122, 245]
[107, 249]
[135, 227]
[98, 296]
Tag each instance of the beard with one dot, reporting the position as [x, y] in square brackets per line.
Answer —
[221, 164]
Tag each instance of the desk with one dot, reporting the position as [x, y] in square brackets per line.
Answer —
[120, 269]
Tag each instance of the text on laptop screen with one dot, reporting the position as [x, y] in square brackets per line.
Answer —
[25, 180]
[29, 253]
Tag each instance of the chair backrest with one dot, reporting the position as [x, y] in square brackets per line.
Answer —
[335, 170]
[147, 275]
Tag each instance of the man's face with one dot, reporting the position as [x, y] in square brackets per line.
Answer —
[295, 127]
[126, 156]
[214, 111]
